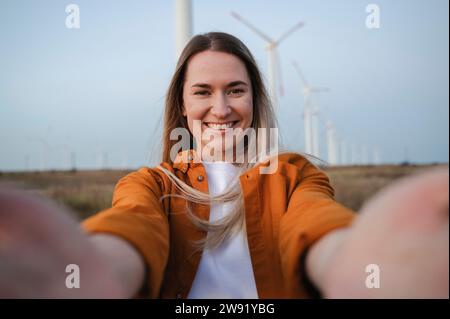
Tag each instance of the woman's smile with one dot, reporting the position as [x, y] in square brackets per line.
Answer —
[220, 126]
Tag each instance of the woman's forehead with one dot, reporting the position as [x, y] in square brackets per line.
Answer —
[215, 67]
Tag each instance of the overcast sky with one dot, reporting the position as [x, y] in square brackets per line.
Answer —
[100, 89]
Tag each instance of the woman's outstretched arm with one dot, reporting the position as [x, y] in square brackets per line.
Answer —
[39, 239]
[128, 265]
[401, 236]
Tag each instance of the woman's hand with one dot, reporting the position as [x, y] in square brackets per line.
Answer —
[404, 232]
[38, 239]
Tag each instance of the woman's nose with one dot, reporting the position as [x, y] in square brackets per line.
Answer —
[220, 107]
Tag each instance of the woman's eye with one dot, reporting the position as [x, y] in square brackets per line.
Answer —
[201, 93]
[236, 91]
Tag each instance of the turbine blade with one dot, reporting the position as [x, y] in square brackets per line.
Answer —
[251, 27]
[299, 72]
[279, 74]
[289, 32]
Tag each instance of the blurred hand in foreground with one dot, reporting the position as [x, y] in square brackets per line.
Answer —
[38, 239]
[400, 243]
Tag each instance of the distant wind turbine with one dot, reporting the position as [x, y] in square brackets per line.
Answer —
[332, 146]
[274, 69]
[45, 150]
[343, 152]
[365, 155]
[377, 156]
[66, 155]
[311, 114]
[354, 157]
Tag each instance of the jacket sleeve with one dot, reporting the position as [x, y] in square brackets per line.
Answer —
[138, 216]
[312, 212]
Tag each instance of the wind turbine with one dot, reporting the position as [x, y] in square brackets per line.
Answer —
[332, 144]
[66, 155]
[102, 159]
[310, 114]
[73, 160]
[376, 156]
[354, 157]
[343, 152]
[183, 25]
[45, 150]
[274, 69]
[365, 155]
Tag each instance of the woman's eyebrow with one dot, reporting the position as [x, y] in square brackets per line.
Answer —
[202, 85]
[231, 84]
[236, 83]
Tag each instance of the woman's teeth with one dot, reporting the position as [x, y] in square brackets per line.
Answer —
[220, 126]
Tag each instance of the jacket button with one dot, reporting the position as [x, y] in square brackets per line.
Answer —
[179, 296]
[200, 178]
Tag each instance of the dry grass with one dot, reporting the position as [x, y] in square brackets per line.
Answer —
[87, 192]
[355, 184]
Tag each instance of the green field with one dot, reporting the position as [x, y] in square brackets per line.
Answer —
[87, 192]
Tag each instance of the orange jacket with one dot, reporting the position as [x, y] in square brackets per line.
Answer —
[285, 213]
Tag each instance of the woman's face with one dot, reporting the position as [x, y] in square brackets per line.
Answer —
[217, 92]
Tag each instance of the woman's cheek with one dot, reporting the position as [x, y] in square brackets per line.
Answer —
[247, 111]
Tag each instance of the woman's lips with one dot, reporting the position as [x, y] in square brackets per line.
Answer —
[220, 127]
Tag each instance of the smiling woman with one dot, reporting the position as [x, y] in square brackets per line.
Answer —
[231, 227]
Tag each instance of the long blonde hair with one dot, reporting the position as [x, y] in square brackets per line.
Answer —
[263, 117]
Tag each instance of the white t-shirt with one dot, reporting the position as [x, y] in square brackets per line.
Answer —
[224, 272]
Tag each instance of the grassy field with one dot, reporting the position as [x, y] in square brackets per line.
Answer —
[355, 184]
[87, 192]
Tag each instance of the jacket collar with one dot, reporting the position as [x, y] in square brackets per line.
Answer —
[190, 159]
[186, 159]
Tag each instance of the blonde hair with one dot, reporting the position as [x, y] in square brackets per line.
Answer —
[263, 117]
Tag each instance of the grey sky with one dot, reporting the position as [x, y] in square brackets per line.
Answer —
[100, 89]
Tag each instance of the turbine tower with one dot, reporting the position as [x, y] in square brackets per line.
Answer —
[66, 157]
[343, 152]
[183, 25]
[73, 161]
[310, 114]
[365, 155]
[354, 157]
[44, 151]
[332, 144]
[315, 129]
[376, 156]
[274, 69]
